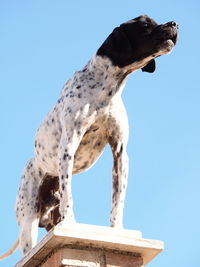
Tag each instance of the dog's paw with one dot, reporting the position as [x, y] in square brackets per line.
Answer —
[117, 226]
[117, 222]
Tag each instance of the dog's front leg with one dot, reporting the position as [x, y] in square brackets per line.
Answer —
[118, 138]
[67, 149]
[119, 183]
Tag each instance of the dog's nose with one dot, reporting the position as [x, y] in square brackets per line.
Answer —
[172, 24]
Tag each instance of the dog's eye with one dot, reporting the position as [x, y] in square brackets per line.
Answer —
[146, 25]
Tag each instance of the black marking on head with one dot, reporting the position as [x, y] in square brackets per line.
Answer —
[136, 40]
[129, 42]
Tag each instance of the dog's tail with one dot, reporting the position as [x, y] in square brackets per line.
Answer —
[11, 250]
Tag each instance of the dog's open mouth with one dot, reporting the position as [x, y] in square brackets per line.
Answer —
[168, 43]
[172, 40]
[170, 37]
[166, 36]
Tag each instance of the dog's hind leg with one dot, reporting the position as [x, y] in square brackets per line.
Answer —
[67, 149]
[27, 211]
[28, 234]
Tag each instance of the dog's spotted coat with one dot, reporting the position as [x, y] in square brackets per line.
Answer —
[88, 115]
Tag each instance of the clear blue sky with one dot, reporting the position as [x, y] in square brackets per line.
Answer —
[42, 43]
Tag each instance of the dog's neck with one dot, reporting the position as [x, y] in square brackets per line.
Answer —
[117, 76]
[103, 78]
[105, 72]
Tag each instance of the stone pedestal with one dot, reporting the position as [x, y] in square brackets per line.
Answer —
[92, 246]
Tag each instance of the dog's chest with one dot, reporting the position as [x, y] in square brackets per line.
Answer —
[91, 146]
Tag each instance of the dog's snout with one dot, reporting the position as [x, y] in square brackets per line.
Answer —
[172, 24]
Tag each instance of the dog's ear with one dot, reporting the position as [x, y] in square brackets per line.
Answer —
[117, 47]
[150, 67]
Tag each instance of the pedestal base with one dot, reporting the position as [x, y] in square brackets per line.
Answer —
[92, 246]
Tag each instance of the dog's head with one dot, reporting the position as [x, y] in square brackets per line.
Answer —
[139, 40]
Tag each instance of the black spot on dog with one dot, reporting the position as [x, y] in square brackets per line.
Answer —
[63, 187]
